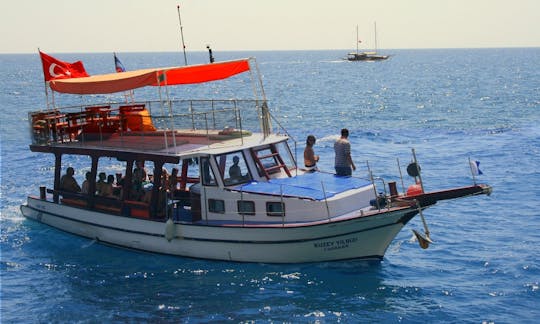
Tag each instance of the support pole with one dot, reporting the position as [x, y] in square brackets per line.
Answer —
[57, 174]
[418, 170]
[325, 201]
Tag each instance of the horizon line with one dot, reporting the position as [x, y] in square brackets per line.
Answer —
[279, 50]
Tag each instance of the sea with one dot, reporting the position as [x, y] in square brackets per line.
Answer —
[451, 106]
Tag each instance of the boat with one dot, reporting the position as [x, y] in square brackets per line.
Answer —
[237, 193]
[366, 56]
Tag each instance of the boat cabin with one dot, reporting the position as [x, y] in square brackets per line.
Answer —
[177, 164]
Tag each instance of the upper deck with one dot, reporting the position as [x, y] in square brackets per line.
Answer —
[177, 127]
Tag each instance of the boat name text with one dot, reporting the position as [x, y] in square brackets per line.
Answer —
[335, 245]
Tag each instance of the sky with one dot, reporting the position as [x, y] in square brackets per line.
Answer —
[77, 26]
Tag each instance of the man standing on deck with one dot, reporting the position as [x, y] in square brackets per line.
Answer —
[344, 164]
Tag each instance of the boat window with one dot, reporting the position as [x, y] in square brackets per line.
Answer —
[275, 208]
[207, 174]
[188, 173]
[233, 168]
[192, 166]
[286, 155]
[216, 206]
[246, 207]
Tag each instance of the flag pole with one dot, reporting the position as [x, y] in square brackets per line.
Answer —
[45, 83]
[182, 34]
[119, 67]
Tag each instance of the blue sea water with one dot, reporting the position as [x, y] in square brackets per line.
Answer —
[449, 105]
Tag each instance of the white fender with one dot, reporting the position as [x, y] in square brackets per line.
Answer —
[170, 229]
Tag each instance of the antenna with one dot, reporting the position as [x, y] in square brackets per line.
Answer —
[182, 34]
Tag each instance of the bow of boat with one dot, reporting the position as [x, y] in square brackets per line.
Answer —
[431, 198]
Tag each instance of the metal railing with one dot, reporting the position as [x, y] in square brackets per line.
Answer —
[101, 122]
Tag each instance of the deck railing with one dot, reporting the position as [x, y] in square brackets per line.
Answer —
[159, 119]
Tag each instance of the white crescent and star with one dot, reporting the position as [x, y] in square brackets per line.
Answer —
[54, 75]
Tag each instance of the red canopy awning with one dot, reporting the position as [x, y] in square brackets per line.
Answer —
[118, 82]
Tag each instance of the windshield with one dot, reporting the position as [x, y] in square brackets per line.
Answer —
[233, 168]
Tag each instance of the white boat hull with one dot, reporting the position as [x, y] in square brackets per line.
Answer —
[347, 238]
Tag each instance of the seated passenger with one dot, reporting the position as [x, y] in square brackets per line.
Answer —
[86, 183]
[147, 192]
[234, 171]
[107, 189]
[119, 179]
[164, 184]
[101, 184]
[139, 173]
[163, 189]
[117, 189]
[137, 181]
[68, 182]
[173, 180]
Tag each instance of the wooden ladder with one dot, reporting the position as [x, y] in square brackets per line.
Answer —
[267, 170]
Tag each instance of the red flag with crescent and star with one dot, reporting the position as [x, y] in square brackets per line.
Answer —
[55, 69]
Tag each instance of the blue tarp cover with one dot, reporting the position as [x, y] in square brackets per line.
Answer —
[308, 185]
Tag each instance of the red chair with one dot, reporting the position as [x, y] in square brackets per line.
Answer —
[97, 112]
[134, 107]
[100, 121]
[75, 124]
[136, 118]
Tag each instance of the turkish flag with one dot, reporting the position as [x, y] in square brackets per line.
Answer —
[55, 69]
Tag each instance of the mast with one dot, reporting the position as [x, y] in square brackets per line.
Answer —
[357, 41]
[375, 23]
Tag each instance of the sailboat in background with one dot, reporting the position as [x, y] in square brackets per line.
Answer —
[366, 56]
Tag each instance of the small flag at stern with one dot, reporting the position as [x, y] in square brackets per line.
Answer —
[475, 167]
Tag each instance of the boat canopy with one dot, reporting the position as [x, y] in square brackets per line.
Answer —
[123, 81]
